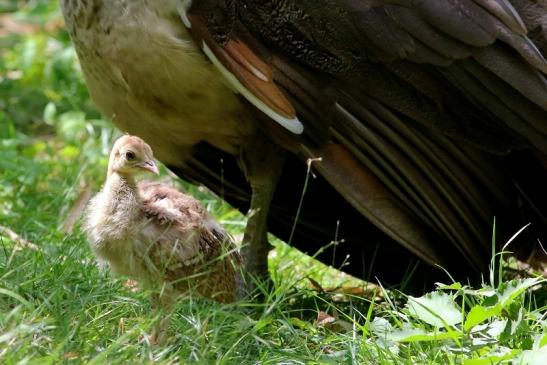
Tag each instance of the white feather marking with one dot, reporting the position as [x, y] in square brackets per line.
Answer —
[259, 74]
[294, 125]
[182, 8]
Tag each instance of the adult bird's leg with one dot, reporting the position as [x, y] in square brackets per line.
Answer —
[262, 165]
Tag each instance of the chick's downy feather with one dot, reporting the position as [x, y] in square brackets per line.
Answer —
[161, 237]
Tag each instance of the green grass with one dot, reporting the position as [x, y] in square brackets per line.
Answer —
[56, 306]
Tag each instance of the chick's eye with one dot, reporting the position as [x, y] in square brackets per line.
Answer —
[129, 156]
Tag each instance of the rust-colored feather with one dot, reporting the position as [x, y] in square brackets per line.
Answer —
[253, 72]
[248, 59]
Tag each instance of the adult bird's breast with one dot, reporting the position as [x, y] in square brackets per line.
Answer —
[144, 71]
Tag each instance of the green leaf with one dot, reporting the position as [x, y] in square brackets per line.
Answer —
[50, 113]
[516, 288]
[493, 359]
[478, 314]
[516, 327]
[262, 323]
[532, 357]
[420, 335]
[29, 51]
[453, 286]
[380, 326]
[297, 322]
[69, 152]
[496, 328]
[437, 309]
[71, 124]
[493, 305]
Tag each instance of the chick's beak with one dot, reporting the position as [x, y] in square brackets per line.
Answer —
[150, 166]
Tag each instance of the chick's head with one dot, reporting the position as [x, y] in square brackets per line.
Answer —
[131, 156]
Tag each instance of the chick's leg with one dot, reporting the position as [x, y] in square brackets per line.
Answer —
[163, 305]
[263, 168]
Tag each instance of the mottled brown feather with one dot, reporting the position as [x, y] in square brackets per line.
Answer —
[211, 270]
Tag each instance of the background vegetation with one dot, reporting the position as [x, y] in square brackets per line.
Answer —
[56, 306]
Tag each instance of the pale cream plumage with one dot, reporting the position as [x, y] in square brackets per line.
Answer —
[157, 235]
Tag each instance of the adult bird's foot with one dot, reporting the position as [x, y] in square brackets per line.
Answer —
[257, 280]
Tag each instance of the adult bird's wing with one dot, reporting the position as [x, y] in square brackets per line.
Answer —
[427, 114]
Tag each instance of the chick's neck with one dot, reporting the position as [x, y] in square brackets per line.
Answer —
[121, 191]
